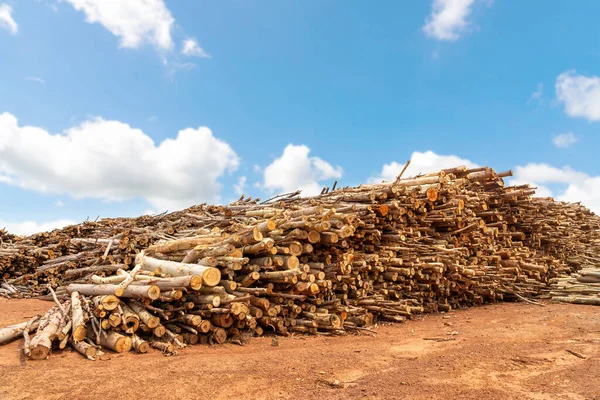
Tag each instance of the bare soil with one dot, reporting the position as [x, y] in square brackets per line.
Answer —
[507, 351]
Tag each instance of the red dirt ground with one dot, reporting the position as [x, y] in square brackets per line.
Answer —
[508, 351]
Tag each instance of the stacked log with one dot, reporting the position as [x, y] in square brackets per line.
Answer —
[331, 263]
[580, 288]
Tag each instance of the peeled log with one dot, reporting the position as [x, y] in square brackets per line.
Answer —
[592, 301]
[193, 282]
[210, 276]
[151, 292]
[183, 244]
[143, 291]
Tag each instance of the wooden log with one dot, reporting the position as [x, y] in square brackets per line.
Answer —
[148, 319]
[130, 321]
[116, 342]
[136, 291]
[165, 347]
[78, 322]
[108, 302]
[42, 341]
[140, 345]
[85, 349]
[218, 335]
[12, 332]
[193, 282]
[129, 277]
[210, 276]
[594, 301]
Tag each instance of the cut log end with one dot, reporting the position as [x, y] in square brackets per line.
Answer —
[153, 292]
[79, 333]
[110, 302]
[39, 353]
[195, 282]
[211, 277]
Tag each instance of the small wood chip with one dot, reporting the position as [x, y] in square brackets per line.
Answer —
[576, 354]
[439, 339]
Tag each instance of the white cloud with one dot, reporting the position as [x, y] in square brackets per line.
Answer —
[421, 163]
[191, 48]
[580, 94]
[544, 173]
[240, 185]
[587, 191]
[6, 20]
[35, 79]
[537, 95]
[133, 21]
[173, 67]
[448, 19]
[296, 170]
[59, 203]
[111, 160]
[31, 227]
[574, 185]
[564, 140]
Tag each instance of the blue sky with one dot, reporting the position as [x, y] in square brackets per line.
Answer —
[277, 95]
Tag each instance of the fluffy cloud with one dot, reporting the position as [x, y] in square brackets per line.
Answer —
[6, 20]
[580, 95]
[31, 227]
[545, 173]
[111, 160]
[240, 185]
[587, 191]
[295, 169]
[133, 21]
[564, 140]
[191, 48]
[572, 185]
[421, 163]
[448, 19]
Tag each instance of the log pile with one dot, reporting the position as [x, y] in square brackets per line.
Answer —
[580, 288]
[330, 263]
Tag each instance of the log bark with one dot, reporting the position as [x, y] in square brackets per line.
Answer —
[12, 332]
[78, 322]
[42, 341]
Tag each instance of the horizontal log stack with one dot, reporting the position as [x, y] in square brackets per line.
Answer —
[331, 263]
[580, 288]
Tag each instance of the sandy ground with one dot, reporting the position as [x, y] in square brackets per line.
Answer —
[508, 351]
